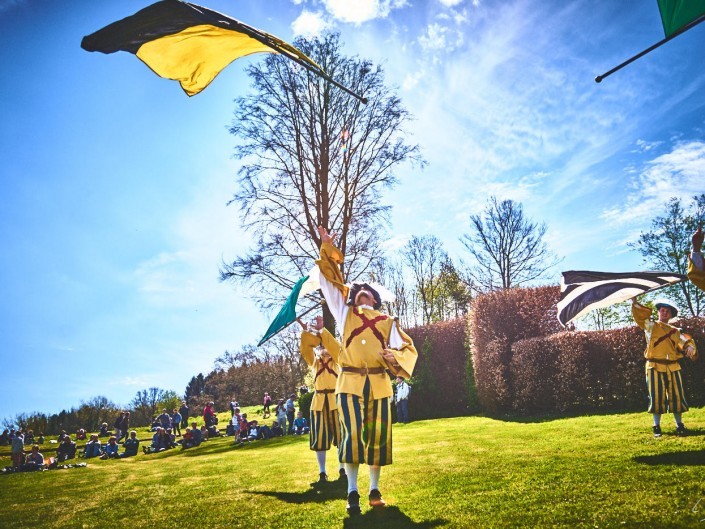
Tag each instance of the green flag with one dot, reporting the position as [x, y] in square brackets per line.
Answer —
[287, 314]
[676, 14]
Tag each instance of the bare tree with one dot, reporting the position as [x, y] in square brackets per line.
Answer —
[666, 247]
[391, 274]
[313, 155]
[508, 249]
[425, 257]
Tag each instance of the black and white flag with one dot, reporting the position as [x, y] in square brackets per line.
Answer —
[583, 291]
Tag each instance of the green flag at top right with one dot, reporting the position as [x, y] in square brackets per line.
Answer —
[676, 14]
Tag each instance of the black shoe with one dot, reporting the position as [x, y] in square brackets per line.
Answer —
[323, 477]
[657, 431]
[680, 429]
[375, 498]
[353, 506]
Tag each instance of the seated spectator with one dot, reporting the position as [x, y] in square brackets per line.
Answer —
[81, 434]
[252, 431]
[131, 445]
[93, 447]
[35, 460]
[157, 442]
[62, 434]
[213, 431]
[104, 430]
[5, 438]
[40, 439]
[204, 433]
[66, 450]
[111, 449]
[155, 423]
[17, 449]
[194, 437]
[29, 437]
[277, 430]
[169, 439]
[300, 424]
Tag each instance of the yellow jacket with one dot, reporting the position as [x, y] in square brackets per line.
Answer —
[366, 332]
[665, 343]
[325, 372]
[696, 274]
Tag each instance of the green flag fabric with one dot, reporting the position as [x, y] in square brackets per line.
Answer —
[287, 314]
[676, 14]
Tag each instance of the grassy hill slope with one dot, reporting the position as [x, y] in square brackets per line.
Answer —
[595, 471]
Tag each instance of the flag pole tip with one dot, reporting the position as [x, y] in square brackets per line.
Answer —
[598, 79]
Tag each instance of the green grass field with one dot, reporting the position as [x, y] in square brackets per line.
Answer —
[594, 471]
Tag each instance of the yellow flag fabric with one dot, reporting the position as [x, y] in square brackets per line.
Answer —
[187, 43]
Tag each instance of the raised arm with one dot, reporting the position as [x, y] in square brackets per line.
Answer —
[309, 341]
[642, 315]
[696, 265]
[332, 284]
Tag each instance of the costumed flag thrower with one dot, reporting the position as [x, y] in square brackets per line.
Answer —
[677, 16]
[287, 315]
[192, 44]
[583, 291]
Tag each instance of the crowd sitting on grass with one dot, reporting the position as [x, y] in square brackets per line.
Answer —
[166, 426]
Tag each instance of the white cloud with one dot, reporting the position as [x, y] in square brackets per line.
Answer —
[678, 173]
[411, 80]
[361, 10]
[434, 38]
[309, 24]
[450, 3]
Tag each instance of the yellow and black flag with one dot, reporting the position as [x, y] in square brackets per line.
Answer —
[189, 43]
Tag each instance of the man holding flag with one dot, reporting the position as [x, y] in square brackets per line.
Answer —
[372, 345]
[321, 350]
[666, 345]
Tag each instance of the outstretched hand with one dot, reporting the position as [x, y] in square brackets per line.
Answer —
[697, 239]
[325, 236]
[317, 323]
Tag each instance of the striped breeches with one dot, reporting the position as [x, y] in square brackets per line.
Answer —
[666, 392]
[325, 429]
[366, 429]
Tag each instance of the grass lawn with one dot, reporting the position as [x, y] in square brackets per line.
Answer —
[593, 471]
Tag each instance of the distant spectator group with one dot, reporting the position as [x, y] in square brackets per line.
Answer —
[166, 427]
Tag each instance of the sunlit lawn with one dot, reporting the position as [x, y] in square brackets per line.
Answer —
[597, 471]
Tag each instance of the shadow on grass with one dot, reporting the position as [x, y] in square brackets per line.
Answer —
[388, 518]
[333, 490]
[691, 458]
[220, 444]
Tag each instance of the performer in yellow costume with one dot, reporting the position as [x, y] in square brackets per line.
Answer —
[696, 265]
[373, 344]
[666, 345]
[320, 350]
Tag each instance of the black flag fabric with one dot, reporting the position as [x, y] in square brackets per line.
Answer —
[583, 291]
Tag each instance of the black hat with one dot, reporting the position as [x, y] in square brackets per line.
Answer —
[355, 289]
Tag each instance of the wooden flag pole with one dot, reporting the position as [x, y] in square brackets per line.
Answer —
[685, 28]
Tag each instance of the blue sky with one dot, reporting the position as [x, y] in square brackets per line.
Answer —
[115, 183]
